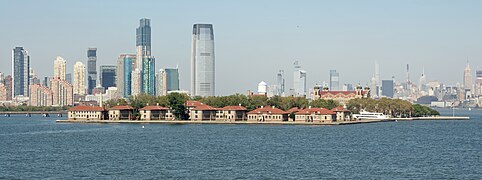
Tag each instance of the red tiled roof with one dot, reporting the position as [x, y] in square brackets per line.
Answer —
[87, 108]
[234, 108]
[315, 111]
[268, 110]
[150, 108]
[204, 107]
[340, 109]
[122, 108]
[337, 92]
[295, 109]
[191, 103]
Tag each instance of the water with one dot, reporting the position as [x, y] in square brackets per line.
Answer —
[37, 147]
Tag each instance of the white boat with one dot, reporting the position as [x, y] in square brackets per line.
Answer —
[370, 115]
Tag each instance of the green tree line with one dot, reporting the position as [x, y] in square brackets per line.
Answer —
[392, 107]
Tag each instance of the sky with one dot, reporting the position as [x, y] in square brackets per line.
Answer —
[254, 39]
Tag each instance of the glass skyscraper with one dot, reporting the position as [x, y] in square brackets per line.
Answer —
[148, 76]
[108, 75]
[91, 69]
[144, 65]
[124, 73]
[202, 60]
[334, 80]
[299, 80]
[21, 72]
[172, 79]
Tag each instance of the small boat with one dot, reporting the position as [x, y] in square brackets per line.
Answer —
[370, 115]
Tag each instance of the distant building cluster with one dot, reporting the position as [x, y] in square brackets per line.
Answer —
[89, 83]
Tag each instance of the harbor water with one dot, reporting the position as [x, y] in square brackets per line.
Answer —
[37, 147]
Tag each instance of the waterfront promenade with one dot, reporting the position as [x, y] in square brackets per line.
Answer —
[30, 113]
[263, 123]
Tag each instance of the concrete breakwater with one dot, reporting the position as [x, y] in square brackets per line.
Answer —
[265, 123]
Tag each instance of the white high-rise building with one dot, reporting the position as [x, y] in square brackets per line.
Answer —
[59, 68]
[202, 60]
[136, 82]
[79, 78]
[468, 83]
[299, 80]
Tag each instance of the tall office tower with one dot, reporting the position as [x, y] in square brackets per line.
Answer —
[408, 83]
[68, 78]
[387, 88]
[59, 68]
[299, 80]
[79, 78]
[148, 78]
[124, 74]
[40, 95]
[467, 77]
[202, 60]
[280, 83]
[478, 82]
[91, 69]
[422, 83]
[62, 93]
[171, 79]
[334, 80]
[143, 41]
[21, 72]
[108, 75]
[374, 87]
[9, 87]
[160, 86]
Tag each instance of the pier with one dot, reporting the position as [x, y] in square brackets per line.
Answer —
[30, 113]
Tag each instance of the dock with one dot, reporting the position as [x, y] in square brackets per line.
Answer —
[261, 123]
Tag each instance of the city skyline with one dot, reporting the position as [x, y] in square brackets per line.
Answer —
[428, 37]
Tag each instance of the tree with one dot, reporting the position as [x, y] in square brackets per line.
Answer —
[177, 103]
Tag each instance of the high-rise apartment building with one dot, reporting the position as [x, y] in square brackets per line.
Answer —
[144, 66]
[172, 79]
[68, 78]
[334, 80]
[91, 69]
[79, 78]
[62, 93]
[203, 61]
[3, 92]
[148, 76]
[9, 87]
[478, 83]
[40, 95]
[299, 81]
[160, 85]
[60, 68]
[21, 72]
[124, 74]
[108, 75]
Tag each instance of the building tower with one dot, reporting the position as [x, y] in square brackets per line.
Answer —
[21, 72]
[280, 83]
[124, 74]
[299, 80]
[148, 72]
[467, 86]
[143, 75]
[334, 80]
[59, 68]
[107, 76]
[202, 60]
[91, 69]
[79, 78]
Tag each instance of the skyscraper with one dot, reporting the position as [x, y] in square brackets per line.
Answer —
[202, 60]
[387, 88]
[478, 83]
[280, 83]
[108, 76]
[124, 74]
[334, 80]
[21, 72]
[79, 78]
[68, 78]
[59, 68]
[160, 86]
[172, 79]
[9, 87]
[91, 69]
[299, 80]
[143, 75]
[62, 92]
[468, 81]
[148, 76]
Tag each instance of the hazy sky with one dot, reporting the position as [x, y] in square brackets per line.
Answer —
[254, 39]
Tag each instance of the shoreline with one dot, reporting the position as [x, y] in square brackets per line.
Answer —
[443, 118]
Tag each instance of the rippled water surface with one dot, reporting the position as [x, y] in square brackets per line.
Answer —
[37, 147]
